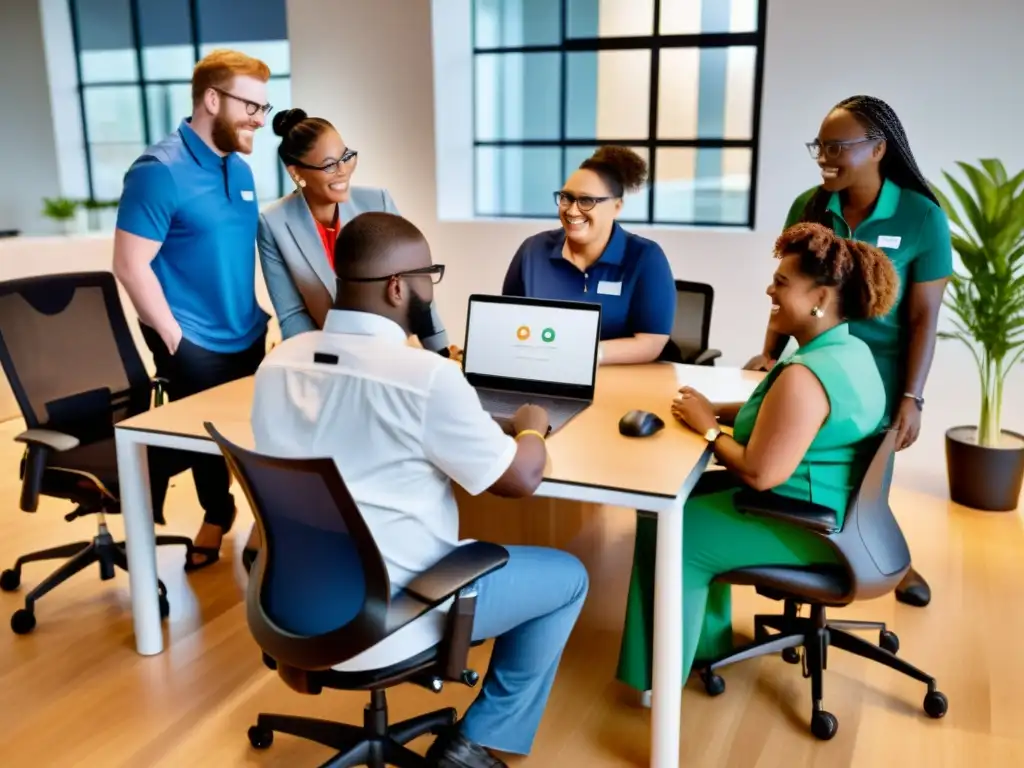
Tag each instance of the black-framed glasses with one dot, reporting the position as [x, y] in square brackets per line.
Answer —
[330, 168]
[251, 107]
[435, 272]
[584, 202]
[832, 149]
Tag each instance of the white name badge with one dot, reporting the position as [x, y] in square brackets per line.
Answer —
[609, 289]
[889, 241]
[248, 196]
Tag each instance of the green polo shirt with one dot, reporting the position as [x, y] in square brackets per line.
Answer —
[914, 232]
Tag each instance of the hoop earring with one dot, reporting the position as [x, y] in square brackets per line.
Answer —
[818, 312]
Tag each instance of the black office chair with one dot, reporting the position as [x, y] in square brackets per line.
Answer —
[873, 558]
[688, 342]
[74, 369]
[319, 594]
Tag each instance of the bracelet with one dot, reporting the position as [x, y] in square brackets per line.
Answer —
[530, 432]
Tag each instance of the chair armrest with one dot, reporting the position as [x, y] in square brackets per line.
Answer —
[805, 514]
[457, 570]
[706, 357]
[48, 438]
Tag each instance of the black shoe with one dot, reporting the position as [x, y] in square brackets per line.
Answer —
[914, 590]
[453, 750]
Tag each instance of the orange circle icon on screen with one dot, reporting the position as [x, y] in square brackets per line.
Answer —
[523, 333]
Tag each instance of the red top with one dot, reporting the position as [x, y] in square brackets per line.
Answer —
[328, 235]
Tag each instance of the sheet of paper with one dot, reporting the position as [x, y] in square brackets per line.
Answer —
[716, 387]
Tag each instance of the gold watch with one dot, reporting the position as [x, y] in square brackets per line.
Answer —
[712, 434]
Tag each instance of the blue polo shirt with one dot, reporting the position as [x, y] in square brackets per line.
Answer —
[202, 208]
[632, 281]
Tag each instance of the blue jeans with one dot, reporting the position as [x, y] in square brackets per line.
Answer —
[530, 606]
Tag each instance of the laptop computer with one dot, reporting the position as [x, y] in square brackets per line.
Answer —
[536, 351]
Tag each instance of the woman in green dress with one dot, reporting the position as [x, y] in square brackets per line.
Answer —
[803, 433]
[872, 190]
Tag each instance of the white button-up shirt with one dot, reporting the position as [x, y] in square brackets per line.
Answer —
[401, 423]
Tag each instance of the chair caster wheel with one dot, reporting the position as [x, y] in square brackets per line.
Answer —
[470, 678]
[23, 622]
[889, 641]
[791, 656]
[452, 718]
[824, 725]
[165, 605]
[10, 580]
[936, 704]
[260, 738]
[714, 685]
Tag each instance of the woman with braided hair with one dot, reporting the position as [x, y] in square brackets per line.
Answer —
[872, 190]
[805, 432]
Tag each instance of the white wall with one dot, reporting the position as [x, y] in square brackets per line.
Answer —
[951, 70]
[28, 164]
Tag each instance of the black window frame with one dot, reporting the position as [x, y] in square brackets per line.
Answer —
[654, 43]
[140, 83]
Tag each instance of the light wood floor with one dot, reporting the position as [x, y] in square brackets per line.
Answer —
[74, 693]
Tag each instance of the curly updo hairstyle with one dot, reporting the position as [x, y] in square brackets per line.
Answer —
[298, 132]
[864, 275]
[621, 169]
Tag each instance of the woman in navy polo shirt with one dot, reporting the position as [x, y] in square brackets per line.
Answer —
[592, 258]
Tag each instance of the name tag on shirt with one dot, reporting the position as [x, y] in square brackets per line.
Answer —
[889, 241]
[609, 289]
[248, 196]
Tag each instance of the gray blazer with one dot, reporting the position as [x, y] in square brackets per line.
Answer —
[299, 278]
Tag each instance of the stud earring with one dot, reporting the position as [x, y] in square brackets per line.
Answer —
[818, 312]
[299, 182]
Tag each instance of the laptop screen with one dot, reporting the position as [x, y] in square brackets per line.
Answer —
[532, 345]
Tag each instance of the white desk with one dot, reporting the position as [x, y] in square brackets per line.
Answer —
[589, 461]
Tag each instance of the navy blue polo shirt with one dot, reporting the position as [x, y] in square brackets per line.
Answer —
[632, 281]
[202, 208]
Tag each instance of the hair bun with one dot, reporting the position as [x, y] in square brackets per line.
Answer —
[630, 168]
[287, 119]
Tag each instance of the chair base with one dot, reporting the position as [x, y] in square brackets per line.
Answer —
[814, 635]
[376, 744]
[102, 549]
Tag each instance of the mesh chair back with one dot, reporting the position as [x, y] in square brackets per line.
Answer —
[871, 540]
[692, 326]
[319, 590]
[68, 353]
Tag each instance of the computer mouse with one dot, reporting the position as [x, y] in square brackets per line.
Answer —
[640, 424]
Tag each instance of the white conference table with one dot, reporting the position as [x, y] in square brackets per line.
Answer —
[588, 461]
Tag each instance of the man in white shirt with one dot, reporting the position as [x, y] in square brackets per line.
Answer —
[401, 424]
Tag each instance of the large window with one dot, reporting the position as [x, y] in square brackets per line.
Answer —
[135, 60]
[679, 81]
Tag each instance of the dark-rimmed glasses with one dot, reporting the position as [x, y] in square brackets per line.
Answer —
[435, 272]
[330, 168]
[584, 203]
[251, 107]
[833, 149]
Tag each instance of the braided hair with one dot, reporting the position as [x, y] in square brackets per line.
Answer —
[898, 165]
[864, 275]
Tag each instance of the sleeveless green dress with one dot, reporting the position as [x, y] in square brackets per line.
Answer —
[717, 538]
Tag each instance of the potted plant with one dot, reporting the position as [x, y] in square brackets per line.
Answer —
[62, 210]
[985, 463]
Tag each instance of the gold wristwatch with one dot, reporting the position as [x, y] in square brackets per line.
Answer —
[712, 434]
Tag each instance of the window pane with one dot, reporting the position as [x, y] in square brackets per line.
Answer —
[702, 185]
[113, 114]
[517, 96]
[264, 160]
[608, 94]
[110, 162]
[706, 93]
[165, 32]
[168, 62]
[221, 21]
[691, 17]
[501, 24]
[610, 18]
[106, 42]
[634, 206]
[276, 54]
[168, 105]
[518, 181]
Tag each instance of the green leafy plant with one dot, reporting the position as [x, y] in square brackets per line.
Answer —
[987, 298]
[59, 208]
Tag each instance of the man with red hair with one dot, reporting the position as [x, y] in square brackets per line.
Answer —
[184, 249]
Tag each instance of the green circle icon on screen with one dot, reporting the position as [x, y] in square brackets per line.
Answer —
[548, 335]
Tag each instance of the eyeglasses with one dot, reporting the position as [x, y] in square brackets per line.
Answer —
[833, 149]
[330, 168]
[251, 107]
[435, 272]
[585, 203]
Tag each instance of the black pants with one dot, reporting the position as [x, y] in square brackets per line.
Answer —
[190, 370]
